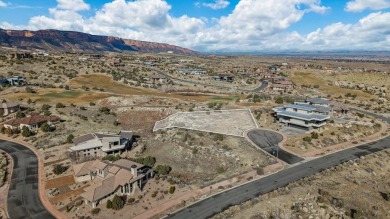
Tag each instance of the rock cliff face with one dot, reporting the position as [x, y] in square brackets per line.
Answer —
[70, 41]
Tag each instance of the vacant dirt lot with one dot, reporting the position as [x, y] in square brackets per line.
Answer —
[228, 122]
[356, 189]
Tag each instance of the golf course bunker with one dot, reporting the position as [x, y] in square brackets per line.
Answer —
[227, 122]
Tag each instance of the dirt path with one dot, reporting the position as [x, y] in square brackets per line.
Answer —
[61, 181]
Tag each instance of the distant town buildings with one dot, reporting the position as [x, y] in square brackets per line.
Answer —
[192, 71]
[12, 81]
[223, 77]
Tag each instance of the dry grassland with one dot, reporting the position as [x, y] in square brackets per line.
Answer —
[312, 78]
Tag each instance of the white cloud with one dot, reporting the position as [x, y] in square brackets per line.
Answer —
[217, 4]
[252, 26]
[2, 4]
[72, 5]
[361, 5]
[369, 33]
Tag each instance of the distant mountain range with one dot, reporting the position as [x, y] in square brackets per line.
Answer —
[70, 41]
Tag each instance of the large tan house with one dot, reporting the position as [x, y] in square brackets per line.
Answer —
[122, 177]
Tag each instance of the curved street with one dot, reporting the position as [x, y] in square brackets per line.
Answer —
[268, 141]
[23, 195]
[263, 85]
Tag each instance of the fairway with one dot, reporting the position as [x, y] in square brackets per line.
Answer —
[54, 95]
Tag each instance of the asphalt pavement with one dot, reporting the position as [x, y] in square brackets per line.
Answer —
[215, 204]
[268, 141]
[23, 195]
[263, 85]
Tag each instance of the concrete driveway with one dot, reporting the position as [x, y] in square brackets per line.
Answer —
[23, 196]
[268, 141]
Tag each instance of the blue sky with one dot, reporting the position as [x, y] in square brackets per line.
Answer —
[215, 25]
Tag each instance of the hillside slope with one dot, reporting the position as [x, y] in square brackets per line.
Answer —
[70, 41]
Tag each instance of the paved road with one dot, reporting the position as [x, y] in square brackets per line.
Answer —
[23, 196]
[220, 202]
[386, 119]
[263, 85]
[268, 141]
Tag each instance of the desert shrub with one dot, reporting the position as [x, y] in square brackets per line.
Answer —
[59, 169]
[29, 90]
[307, 139]
[116, 123]
[69, 139]
[20, 114]
[314, 135]
[279, 100]
[163, 169]
[45, 107]
[105, 110]
[172, 189]
[112, 157]
[46, 127]
[78, 203]
[9, 131]
[118, 202]
[95, 211]
[147, 161]
[26, 132]
[220, 170]
[60, 105]
[109, 204]
[218, 137]
[131, 200]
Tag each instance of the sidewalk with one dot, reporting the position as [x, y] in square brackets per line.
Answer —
[41, 182]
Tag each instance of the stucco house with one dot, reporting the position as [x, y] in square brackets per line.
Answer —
[101, 144]
[32, 121]
[122, 177]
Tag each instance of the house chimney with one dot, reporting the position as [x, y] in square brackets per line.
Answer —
[134, 170]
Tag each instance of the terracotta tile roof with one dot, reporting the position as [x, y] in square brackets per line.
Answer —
[32, 119]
